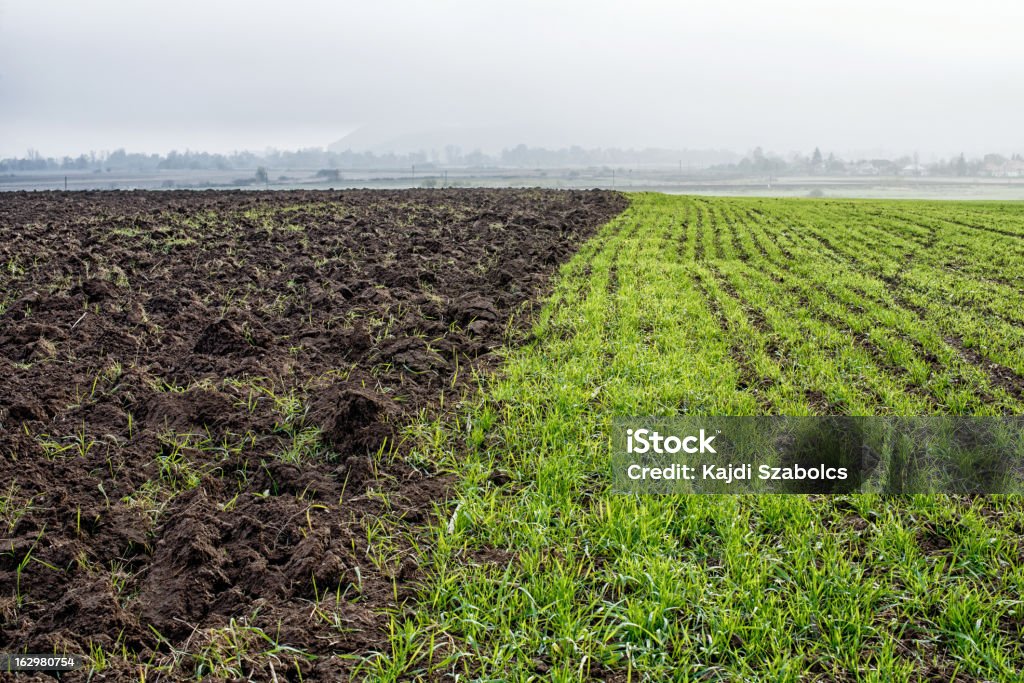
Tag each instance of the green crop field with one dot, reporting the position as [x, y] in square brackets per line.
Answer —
[686, 305]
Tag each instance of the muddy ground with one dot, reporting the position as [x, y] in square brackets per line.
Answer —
[202, 402]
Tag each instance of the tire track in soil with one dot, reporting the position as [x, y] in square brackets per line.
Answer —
[999, 375]
[681, 243]
[698, 244]
[865, 343]
[731, 222]
[749, 380]
[716, 221]
[950, 267]
[763, 220]
[971, 226]
[752, 234]
[859, 338]
[816, 399]
[895, 280]
[612, 289]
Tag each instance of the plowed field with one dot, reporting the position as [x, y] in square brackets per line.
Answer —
[202, 400]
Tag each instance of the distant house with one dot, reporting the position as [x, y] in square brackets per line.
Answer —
[863, 168]
[1003, 168]
[1014, 169]
[914, 169]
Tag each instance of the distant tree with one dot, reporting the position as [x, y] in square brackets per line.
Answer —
[759, 162]
[261, 175]
[834, 165]
[816, 158]
[476, 158]
[961, 165]
[452, 154]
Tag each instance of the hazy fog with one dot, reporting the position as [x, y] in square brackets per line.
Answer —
[853, 77]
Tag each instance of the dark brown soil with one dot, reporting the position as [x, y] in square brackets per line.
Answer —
[999, 375]
[202, 398]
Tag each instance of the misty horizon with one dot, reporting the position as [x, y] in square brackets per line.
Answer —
[437, 153]
[924, 77]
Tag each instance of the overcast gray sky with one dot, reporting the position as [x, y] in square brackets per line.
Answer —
[895, 75]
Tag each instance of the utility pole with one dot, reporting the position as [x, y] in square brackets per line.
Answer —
[613, 178]
[65, 183]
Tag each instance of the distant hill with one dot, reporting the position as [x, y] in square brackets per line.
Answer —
[383, 138]
[508, 145]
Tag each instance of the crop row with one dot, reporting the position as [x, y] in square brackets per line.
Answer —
[703, 306]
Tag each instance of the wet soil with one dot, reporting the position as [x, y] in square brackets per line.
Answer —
[202, 403]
